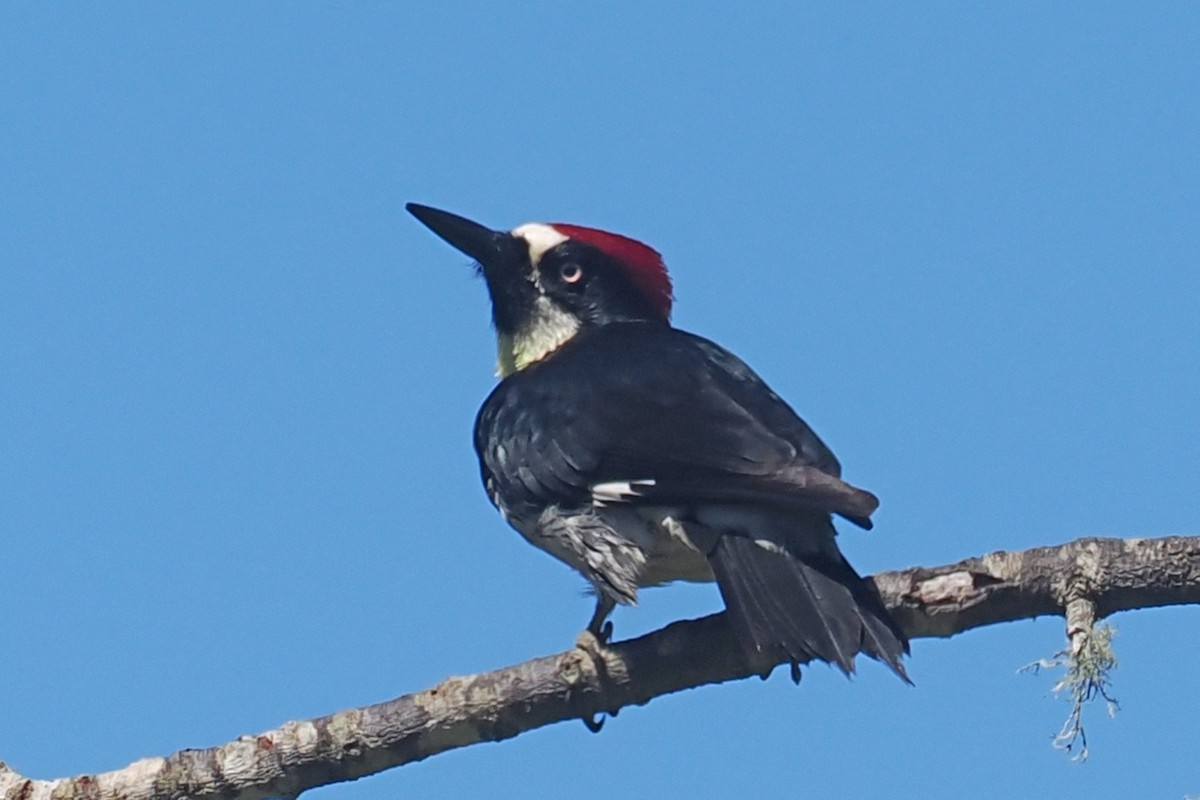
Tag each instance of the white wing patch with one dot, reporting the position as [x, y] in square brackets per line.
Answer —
[604, 494]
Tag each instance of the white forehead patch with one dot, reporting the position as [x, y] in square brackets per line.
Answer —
[540, 239]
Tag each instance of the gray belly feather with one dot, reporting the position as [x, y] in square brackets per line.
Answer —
[620, 550]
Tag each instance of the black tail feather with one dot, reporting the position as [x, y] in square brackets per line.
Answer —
[804, 607]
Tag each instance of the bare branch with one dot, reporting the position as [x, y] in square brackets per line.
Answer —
[1094, 577]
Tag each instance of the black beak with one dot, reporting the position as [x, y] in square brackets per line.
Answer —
[504, 258]
[485, 245]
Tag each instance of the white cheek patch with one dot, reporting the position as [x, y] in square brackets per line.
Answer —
[540, 238]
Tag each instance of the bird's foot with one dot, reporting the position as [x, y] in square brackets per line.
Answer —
[599, 625]
[594, 644]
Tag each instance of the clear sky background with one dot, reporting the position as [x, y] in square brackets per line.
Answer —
[237, 381]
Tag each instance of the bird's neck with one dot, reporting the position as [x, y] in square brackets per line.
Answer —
[549, 327]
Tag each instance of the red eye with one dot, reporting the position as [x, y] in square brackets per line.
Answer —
[571, 273]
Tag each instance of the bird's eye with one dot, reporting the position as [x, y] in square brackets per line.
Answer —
[571, 273]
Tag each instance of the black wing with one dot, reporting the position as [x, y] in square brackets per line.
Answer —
[653, 415]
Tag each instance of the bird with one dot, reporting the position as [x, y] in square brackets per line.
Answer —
[641, 454]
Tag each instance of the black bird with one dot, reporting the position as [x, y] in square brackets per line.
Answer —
[640, 454]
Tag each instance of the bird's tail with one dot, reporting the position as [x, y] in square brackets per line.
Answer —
[801, 607]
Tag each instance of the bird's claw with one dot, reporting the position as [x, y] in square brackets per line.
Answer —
[795, 673]
[593, 644]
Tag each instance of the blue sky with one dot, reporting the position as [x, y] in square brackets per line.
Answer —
[237, 382]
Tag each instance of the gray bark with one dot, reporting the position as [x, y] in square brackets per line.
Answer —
[1082, 581]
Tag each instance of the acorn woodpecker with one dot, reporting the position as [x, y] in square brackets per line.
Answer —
[641, 454]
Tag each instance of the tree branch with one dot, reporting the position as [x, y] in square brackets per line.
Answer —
[1091, 577]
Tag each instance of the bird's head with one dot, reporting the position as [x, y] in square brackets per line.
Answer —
[550, 281]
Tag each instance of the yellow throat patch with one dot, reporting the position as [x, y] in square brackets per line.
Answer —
[549, 328]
